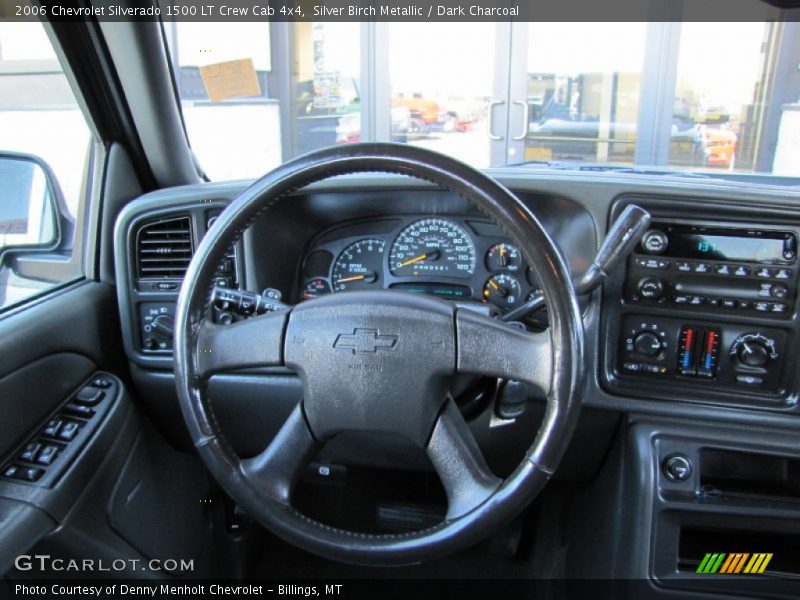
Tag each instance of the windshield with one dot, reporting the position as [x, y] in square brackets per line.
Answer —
[701, 97]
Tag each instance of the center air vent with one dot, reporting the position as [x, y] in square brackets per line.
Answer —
[164, 248]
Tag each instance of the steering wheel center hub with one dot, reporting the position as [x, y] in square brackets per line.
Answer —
[375, 361]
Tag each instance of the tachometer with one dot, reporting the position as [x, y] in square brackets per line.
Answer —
[432, 247]
[359, 266]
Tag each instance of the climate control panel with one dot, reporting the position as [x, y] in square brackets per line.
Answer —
[735, 356]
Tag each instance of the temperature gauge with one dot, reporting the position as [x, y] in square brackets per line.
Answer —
[503, 257]
[316, 287]
[502, 290]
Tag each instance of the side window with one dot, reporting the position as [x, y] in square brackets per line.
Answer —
[44, 152]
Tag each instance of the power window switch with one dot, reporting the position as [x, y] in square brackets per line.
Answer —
[78, 410]
[29, 473]
[68, 431]
[47, 455]
[89, 396]
[52, 428]
[30, 453]
[11, 471]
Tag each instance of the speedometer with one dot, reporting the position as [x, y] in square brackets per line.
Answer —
[432, 247]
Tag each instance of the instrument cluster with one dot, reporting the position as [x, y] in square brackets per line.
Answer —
[449, 257]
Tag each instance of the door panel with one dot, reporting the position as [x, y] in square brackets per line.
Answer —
[47, 349]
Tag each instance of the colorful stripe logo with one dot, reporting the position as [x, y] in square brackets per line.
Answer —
[733, 564]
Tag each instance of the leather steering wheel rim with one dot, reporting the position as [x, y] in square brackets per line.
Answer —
[260, 485]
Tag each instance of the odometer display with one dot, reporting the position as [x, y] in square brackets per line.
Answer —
[432, 247]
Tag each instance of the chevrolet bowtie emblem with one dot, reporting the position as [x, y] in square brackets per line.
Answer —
[363, 341]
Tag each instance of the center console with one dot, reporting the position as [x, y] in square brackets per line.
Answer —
[705, 308]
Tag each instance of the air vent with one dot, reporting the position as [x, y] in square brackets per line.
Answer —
[164, 248]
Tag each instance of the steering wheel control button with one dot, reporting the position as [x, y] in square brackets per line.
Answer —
[89, 396]
[68, 431]
[655, 241]
[677, 468]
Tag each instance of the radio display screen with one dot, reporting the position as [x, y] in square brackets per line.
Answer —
[763, 247]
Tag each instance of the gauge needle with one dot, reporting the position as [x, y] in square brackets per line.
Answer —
[419, 258]
[503, 260]
[368, 277]
[352, 278]
[494, 285]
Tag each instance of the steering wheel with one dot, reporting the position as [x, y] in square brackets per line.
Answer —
[381, 362]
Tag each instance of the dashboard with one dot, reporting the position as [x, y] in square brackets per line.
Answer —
[703, 312]
[447, 256]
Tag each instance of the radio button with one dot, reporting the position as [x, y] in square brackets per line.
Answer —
[743, 305]
[723, 270]
[650, 288]
[783, 274]
[655, 241]
[681, 299]
[764, 273]
[779, 291]
[684, 266]
[728, 303]
[750, 379]
[778, 307]
[702, 268]
[652, 263]
[741, 271]
[696, 300]
[762, 306]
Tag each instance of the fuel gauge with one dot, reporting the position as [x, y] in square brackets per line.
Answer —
[503, 290]
[315, 288]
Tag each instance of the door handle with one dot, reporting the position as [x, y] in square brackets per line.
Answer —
[526, 117]
[490, 125]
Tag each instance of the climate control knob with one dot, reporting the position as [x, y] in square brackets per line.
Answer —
[753, 354]
[650, 288]
[647, 343]
[754, 350]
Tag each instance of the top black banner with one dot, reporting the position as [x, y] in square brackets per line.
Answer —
[401, 10]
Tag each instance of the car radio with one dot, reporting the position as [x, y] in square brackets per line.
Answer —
[748, 271]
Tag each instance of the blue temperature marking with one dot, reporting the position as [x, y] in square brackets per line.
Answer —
[708, 361]
[686, 359]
